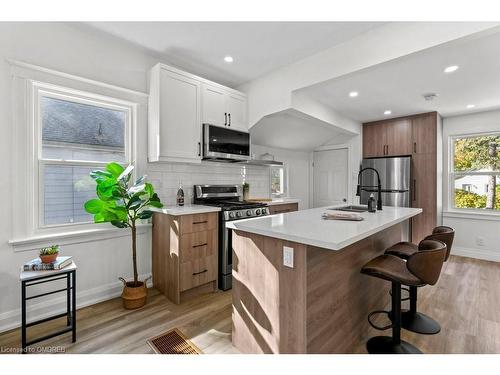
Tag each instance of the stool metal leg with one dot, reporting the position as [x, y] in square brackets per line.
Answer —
[417, 322]
[23, 316]
[73, 312]
[394, 344]
[68, 299]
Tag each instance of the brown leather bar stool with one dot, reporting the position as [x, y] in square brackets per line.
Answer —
[411, 319]
[421, 268]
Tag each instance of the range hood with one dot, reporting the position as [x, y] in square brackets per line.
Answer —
[264, 160]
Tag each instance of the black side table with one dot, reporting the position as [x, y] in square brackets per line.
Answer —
[30, 278]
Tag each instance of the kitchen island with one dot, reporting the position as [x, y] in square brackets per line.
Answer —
[319, 301]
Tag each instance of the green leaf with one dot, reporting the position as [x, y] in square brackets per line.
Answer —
[115, 169]
[156, 204]
[125, 175]
[119, 224]
[145, 214]
[149, 189]
[93, 206]
[99, 175]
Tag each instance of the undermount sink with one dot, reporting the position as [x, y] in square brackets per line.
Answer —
[352, 208]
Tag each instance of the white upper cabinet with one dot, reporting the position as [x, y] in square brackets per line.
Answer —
[237, 111]
[224, 107]
[179, 103]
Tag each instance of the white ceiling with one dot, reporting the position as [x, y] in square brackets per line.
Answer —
[398, 85]
[257, 47]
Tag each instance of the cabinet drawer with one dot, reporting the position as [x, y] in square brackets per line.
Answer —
[198, 245]
[198, 272]
[283, 208]
[198, 222]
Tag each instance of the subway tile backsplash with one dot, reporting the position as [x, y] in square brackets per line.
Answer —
[166, 178]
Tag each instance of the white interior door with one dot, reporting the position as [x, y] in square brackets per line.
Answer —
[330, 177]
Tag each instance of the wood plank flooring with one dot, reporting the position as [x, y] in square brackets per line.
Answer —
[466, 301]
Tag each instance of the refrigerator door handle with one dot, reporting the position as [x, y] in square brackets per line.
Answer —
[414, 190]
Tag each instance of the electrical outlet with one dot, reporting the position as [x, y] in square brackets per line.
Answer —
[480, 241]
[288, 256]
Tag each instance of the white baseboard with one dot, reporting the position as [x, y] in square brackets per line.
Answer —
[476, 253]
[12, 319]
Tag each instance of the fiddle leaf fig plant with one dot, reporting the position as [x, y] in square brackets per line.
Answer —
[122, 201]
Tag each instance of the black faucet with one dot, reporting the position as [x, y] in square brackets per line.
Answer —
[379, 187]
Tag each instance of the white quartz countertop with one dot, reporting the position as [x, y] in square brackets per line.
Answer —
[187, 209]
[307, 226]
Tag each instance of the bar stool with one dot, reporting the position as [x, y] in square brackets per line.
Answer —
[422, 268]
[411, 319]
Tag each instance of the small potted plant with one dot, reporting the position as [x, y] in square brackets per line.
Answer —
[246, 191]
[49, 254]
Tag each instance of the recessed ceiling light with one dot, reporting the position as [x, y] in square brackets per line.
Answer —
[450, 69]
[228, 59]
[387, 112]
[469, 106]
[353, 94]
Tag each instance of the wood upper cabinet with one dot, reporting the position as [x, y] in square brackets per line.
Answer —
[373, 140]
[397, 135]
[387, 138]
[224, 107]
[424, 133]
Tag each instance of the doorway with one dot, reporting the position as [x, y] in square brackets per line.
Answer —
[330, 177]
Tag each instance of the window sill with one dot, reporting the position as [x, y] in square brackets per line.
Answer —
[471, 215]
[74, 237]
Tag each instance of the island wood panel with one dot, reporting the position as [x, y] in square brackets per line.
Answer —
[269, 299]
[319, 306]
[339, 297]
[283, 208]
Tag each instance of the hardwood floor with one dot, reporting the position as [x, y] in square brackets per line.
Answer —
[466, 302]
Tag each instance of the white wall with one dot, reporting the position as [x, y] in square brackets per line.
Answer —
[298, 166]
[470, 227]
[80, 52]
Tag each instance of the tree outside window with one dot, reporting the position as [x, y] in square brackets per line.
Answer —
[476, 172]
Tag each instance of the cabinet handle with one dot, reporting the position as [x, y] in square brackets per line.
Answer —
[203, 244]
[387, 150]
[225, 121]
[199, 148]
[414, 147]
[229, 116]
[414, 190]
[197, 273]
[200, 222]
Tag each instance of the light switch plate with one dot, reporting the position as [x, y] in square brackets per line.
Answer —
[288, 256]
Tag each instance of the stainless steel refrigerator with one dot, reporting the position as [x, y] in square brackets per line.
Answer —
[395, 178]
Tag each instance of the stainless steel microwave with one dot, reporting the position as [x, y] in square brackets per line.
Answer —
[223, 144]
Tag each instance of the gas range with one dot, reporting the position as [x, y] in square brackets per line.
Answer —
[228, 199]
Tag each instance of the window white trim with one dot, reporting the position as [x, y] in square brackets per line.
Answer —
[453, 211]
[39, 90]
[26, 148]
[284, 181]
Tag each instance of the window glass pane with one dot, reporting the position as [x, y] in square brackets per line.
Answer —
[477, 153]
[480, 192]
[277, 180]
[75, 131]
[66, 189]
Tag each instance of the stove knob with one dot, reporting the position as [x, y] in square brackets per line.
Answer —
[249, 212]
[257, 211]
[231, 214]
[238, 214]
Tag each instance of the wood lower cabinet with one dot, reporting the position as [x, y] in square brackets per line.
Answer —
[283, 208]
[417, 136]
[185, 254]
